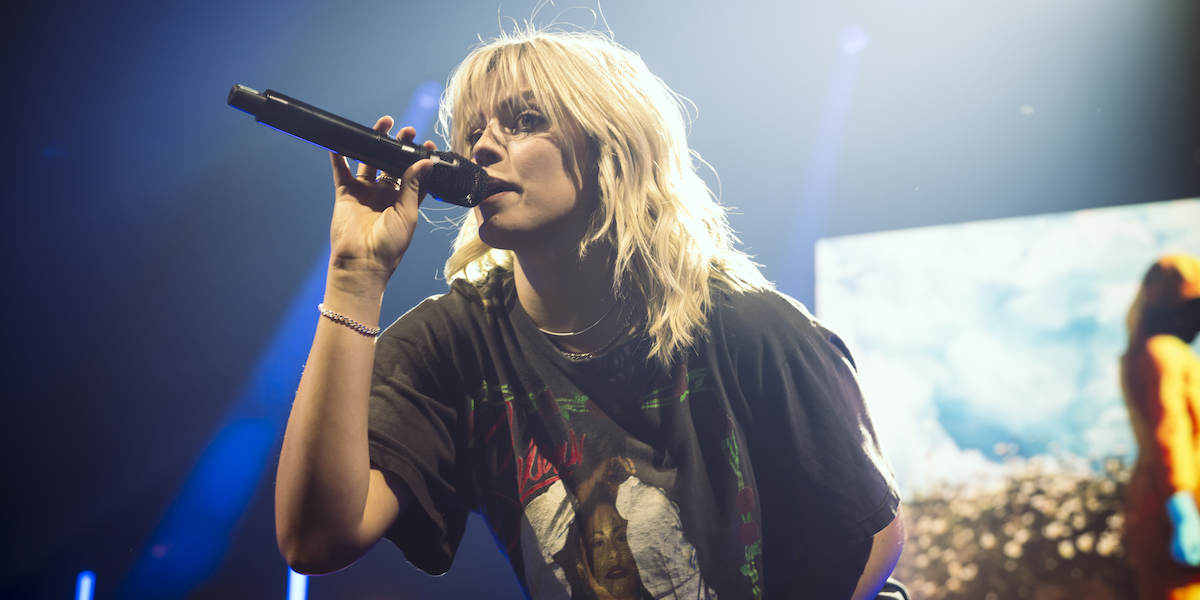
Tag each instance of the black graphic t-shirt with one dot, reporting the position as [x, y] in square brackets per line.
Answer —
[618, 478]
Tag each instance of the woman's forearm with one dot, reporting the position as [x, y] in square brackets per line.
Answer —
[886, 547]
[330, 507]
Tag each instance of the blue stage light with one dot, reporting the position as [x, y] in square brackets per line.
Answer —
[297, 586]
[85, 585]
[820, 176]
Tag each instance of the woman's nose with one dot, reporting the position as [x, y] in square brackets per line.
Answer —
[487, 150]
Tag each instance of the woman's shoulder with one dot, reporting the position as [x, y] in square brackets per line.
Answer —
[764, 310]
[464, 294]
[769, 319]
[464, 303]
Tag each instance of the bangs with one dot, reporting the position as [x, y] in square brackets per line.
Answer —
[489, 78]
[516, 74]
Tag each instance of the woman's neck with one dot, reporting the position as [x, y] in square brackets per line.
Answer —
[564, 293]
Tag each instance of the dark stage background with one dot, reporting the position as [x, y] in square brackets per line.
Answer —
[155, 240]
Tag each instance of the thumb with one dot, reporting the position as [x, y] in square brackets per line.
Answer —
[413, 189]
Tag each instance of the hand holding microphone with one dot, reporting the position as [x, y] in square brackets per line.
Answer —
[453, 179]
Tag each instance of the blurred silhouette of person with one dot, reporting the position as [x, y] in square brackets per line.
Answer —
[1161, 377]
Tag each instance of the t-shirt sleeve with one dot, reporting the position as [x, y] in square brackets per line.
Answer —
[817, 462]
[417, 431]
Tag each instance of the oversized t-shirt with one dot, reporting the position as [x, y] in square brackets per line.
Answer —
[617, 476]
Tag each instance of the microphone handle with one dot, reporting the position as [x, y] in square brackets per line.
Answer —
[455, 179]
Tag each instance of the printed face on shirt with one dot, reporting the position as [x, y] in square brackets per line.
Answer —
[612, 562]
[539, 201]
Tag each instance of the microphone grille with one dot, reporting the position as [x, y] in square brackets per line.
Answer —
[457, 180]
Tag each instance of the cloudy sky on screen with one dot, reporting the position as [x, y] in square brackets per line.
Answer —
[996, 337]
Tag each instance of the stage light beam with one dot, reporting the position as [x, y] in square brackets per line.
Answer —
[297, 586]
[85, 585]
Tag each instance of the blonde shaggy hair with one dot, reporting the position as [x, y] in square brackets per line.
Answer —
[670, 239]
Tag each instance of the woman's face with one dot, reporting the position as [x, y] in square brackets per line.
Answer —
[612, 560]
[537, 199]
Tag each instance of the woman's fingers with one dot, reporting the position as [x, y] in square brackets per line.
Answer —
[342, 174]
[365, 171]
[415, 176]
[341, 171]
[413, 183]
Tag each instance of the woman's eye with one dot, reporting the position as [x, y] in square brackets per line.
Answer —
[473, 137]
[529, 121]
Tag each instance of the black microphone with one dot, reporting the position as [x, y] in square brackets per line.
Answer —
[454, 179]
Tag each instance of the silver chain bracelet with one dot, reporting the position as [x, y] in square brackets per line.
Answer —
[371, 332]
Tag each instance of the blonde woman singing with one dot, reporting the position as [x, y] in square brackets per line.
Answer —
[608, 382]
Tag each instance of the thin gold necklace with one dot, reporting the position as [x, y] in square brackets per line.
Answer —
[582, 356]
[585, 329]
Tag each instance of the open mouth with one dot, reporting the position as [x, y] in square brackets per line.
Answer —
[496, 187]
